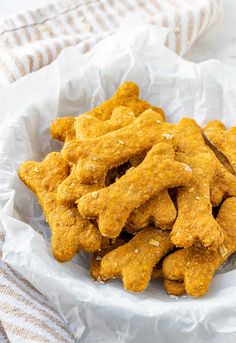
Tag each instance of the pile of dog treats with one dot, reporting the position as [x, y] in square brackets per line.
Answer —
[144, 196]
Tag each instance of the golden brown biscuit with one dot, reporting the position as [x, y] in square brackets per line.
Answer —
[95, 266]
[158, 210]
[222, 185]
[197, 265]
[195, 222]
[71, 189]
[173, 287]
[189, 140]
[93, 158]
[209, 177]
[87, 126]
[113, 205]
[63, 129]
[70, 232]
[126, 95]
[223, 140]
[135, 260]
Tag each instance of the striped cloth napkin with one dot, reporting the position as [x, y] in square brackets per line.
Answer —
[26, 315]
[33, 39]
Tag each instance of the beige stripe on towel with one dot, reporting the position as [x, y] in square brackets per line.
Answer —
[34, 38]
[25, 314]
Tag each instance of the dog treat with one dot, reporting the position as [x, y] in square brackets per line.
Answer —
[96, 156]
[70, 190]
[95, 266]
[135, 260]
[158, 171]
[158, 210]
[70, 232]
[173, 287]
[195, 222]
[126, 95]
[222, 185]
[217, 179]
[197, 265]
[87, 126]
[223, 140]
[63, 129]
[144, 196]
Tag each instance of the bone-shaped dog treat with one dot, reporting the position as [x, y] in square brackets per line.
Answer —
[197, 265]
[158, 210]
[158, 171]
[190, 141]
[63, 129]
[70, 190]
[70, 232]
[195, 222]
[174, 287]
[222, 185]
[95, 266]
[135, 260]
[96, 156]
[87, 126]
[126, 95]
[222, 139]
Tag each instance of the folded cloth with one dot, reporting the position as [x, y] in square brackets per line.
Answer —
[25, 314]
[34, 38]
[3, 336]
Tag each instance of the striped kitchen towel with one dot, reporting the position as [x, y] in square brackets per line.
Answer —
[3, 336]
[26, 316]
[34, 38]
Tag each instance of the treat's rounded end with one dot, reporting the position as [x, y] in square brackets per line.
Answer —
[174, 287]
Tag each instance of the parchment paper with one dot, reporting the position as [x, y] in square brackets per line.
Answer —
[71, 85]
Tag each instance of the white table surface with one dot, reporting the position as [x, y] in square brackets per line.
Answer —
[219, 42]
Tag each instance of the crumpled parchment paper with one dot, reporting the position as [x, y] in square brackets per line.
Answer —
[105, 313]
